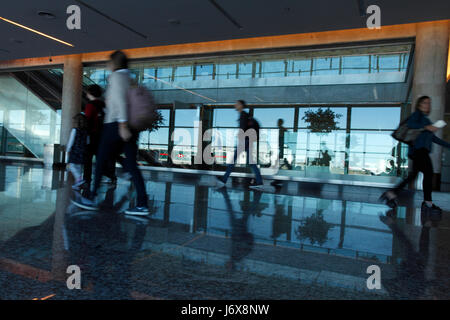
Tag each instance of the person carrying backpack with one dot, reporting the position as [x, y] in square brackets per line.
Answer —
[245, 122]
[117, 136]
[419, 153]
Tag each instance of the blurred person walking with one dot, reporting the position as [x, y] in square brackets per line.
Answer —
[116, 137]
[419, 153]
[77, 149]
[245, 123]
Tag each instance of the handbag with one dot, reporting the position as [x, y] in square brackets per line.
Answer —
[405, 134]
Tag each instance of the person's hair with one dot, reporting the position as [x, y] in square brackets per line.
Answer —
[95, 90]
[119, 60]
[244, 104]
[80, 121]
[420, 100]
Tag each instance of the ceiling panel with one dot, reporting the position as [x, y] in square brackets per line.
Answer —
[184, 21]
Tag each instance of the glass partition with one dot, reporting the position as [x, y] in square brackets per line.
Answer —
[29, 121]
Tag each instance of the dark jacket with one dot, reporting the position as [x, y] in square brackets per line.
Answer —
[419, 120]
[243, 121]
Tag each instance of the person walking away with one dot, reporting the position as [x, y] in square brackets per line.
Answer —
[77, 149]
[245, 123]
[117, 137]
[419, 153]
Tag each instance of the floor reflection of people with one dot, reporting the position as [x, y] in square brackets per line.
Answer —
[241, 239]
[100, 245]
[411, 281]
[281, 222]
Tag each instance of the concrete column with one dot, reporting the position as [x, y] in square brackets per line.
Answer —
[430, 68]
[71, 95]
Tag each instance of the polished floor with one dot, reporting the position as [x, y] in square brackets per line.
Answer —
[303, 241]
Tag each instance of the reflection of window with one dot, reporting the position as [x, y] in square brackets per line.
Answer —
[157, 141]
[245, 70]
[149, 75]
[183, 73]
[326, 66]
[164, 74]
[272, 69]
[17, 119]
[387, 62]
[355, 64]
[204, 72]
[226, 71]
[299, 67]
[186, 135]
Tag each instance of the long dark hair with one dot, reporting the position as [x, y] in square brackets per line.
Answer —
[420, 100]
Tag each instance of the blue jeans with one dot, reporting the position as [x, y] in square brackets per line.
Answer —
[254, 167]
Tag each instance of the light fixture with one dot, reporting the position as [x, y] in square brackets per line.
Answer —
[35, 31]
[46, 15]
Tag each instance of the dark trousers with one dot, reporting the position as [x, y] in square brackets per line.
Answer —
[254, 167]
[111, 145]
[421, 163]
[92, 150]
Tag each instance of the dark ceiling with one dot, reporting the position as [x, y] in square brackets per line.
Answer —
[184, 21]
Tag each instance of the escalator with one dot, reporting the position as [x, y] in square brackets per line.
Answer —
[30, 106]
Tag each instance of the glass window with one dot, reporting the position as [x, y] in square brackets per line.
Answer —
[225, 118]
[355, 64]
[381, 118]
[186, 117]
[226, 71]
[341, 122]
[164, 73]
[149, 75]
[299, 67]
[388, 63]
[326, 66]
[273, 69]
[204, 72]
[268, 117]
[245, 70]
[183, 73]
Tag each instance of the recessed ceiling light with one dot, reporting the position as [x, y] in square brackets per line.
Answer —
[18, 41]
[174, 21]
[46, 15]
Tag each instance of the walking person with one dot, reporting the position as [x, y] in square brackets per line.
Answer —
[77, 149]
[419, 153]
[116, 137]
[283, 162]
[94, 111]
[245, 123]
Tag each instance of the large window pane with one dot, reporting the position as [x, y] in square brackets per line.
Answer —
[183, 73]
[226, 71]
[326, 66]
[273, 69]
[268, 117]
[355, 64]
[299, 67]
[381, 118]
[204, 72]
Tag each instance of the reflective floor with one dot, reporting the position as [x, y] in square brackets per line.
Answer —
[303, 241]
